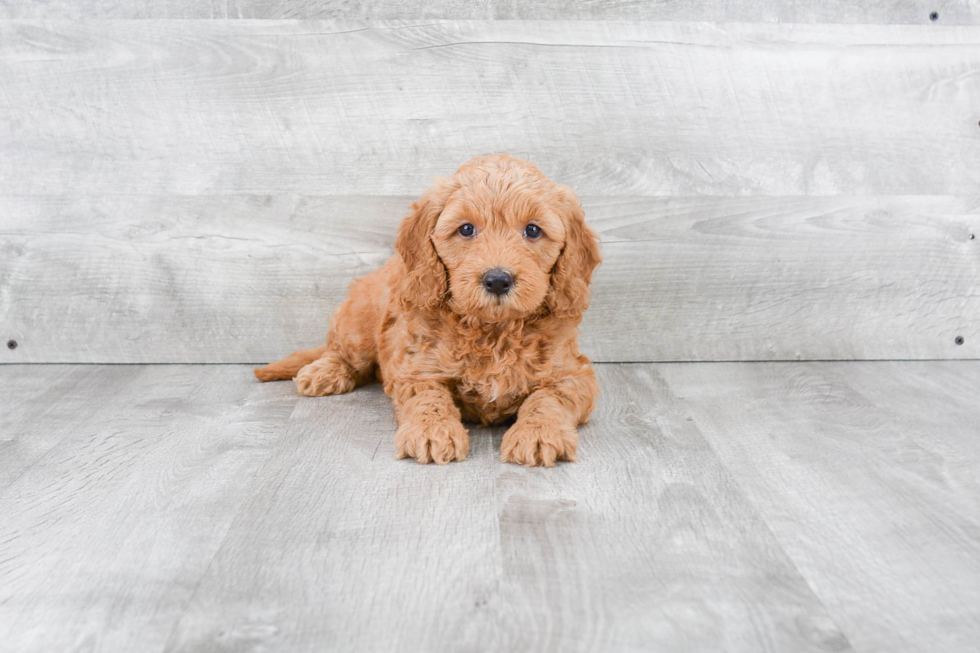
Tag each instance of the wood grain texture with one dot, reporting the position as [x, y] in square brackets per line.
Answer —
[951, 12]
[646, 544]
[344, 548]
[867, 475]
[44, 405]
[103, 538]
[251, 278]
[611, 108]
[737, 507]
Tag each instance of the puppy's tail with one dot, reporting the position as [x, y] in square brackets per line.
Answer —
[290, 365]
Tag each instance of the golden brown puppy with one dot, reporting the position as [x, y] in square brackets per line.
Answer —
[475, 317]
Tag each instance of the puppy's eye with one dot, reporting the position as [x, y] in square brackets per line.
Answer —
[532, 231]
[467, 230]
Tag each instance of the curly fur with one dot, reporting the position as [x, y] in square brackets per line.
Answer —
[447, 350]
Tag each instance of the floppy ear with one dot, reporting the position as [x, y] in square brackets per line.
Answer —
[425, 284]
[572, 274]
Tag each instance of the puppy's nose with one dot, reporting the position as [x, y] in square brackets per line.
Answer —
[497, 281]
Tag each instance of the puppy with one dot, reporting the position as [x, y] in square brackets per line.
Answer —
[474, 318]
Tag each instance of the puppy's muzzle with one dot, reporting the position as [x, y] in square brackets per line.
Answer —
[497, 282]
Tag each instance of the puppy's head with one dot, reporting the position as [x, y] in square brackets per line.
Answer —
[498, 241]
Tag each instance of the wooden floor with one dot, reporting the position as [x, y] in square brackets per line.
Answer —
[729, 506]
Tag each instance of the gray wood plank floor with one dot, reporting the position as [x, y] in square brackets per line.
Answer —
[738, 507]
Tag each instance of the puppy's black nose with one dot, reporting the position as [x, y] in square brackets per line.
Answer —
[497, 281]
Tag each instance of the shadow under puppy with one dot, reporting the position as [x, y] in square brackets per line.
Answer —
[474, 318]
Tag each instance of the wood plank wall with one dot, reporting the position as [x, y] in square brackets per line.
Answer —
[948, 12]
[784, 182]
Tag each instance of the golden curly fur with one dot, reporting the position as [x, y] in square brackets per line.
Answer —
[447, 348]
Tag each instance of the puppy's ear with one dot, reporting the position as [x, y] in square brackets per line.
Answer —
[572, 274]
[425, 283]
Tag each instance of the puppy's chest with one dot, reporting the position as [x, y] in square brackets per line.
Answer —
[492, 378]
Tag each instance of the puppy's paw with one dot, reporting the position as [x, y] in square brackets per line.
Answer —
[439, 442]
[325, 376]
[534, 444]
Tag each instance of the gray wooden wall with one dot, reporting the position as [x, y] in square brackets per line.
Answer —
[783, 181]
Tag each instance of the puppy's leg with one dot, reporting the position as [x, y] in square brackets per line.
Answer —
[328, 375]
[429, 426]
[348, 361]
[351, 352]
[545, 428]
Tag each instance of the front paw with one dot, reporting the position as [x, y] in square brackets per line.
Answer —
[326, 376]
[438, 442]
[538, 444]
